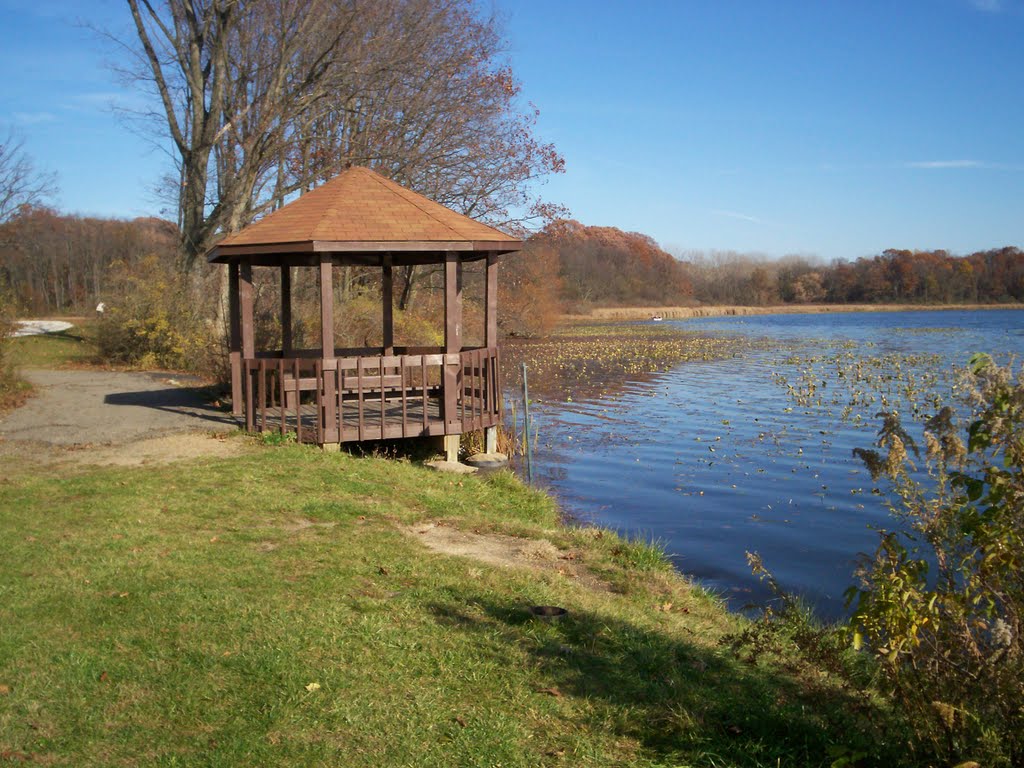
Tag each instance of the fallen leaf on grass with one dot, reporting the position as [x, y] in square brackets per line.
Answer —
[313, 687]
[664, 607]
[383, 571]
[102, 677]
[5, 690]
[551, 692]
[12, 756]
[460, 721]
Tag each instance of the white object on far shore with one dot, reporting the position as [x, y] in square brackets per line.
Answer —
[36, 327]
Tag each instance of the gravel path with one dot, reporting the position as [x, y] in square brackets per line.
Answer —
[87, 407]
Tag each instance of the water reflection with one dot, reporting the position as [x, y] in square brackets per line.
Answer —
[753, 452]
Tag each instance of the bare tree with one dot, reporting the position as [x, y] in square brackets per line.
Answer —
[266, 98]
[20, 183]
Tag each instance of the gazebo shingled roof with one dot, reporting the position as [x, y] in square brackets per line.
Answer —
[384, 392]
[359, 211]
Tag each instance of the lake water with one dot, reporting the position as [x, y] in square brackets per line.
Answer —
[754, 453]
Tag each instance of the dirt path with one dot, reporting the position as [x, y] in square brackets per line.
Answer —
[120, 418]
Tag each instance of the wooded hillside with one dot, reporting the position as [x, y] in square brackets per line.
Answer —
[60, 264]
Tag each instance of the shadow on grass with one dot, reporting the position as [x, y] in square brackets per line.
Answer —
[683, 702]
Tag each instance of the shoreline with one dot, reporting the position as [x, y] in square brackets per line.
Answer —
[601, 314]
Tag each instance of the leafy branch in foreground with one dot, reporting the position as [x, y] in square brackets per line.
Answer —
[941, 601]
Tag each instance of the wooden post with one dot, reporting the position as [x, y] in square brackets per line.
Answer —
[286, 311]
[451, 448]
[491, 339]
[326, 307]
[387, 303]
[452, 302]
[245, 302]
[327, 390]
[452, 335]
[235, 340]
[491, 302]
[248, 351]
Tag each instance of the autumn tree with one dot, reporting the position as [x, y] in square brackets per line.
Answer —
[606, 266]
[265, 99]
[530, 292]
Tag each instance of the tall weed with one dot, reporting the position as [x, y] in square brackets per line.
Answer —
[940, 603]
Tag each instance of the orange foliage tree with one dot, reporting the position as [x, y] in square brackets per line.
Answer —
[606, 266]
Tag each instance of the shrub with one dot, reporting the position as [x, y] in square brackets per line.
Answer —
[157, 318]
[9, 381]
[941, 601]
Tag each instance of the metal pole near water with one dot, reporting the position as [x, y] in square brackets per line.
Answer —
[526, 428]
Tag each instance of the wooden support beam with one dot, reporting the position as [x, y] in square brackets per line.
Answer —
[245, 295]
[235, 341]
[491, 302]
[286, 311]
[452, 337]
[326, 307]
[452, 302]
[491, 339]
[387, 303]
[451, 448]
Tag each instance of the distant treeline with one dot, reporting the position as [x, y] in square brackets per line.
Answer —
[59, 263]
[603, 266]
[894, 276]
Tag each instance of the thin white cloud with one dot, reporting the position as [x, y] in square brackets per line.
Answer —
[736, 215]
[931, 164]
[988, 6]
[103, 98]
[34, 118]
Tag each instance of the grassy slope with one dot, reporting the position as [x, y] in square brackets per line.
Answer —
[52, 350]
[176, 615]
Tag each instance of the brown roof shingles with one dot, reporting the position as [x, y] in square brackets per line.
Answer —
[359, 205]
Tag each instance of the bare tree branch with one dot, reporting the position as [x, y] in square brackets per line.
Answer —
[20, 183]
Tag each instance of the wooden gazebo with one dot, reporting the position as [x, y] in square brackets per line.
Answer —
[332, 395]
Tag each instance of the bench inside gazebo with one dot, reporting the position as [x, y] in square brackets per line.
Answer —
[333, 395]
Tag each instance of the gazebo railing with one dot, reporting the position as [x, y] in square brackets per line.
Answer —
[372, 397]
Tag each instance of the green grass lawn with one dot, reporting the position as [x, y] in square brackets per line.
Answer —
[52, 350]
[270, 610]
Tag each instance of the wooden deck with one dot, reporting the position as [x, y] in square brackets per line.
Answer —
[373, 397]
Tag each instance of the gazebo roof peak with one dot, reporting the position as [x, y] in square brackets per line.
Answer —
[360, 210]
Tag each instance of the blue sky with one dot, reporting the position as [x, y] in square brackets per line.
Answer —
[830, 128]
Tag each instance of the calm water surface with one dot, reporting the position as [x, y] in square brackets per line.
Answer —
[753, 453]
